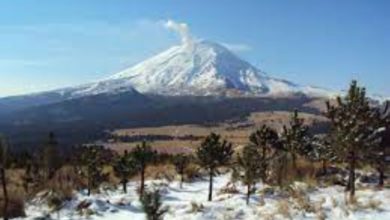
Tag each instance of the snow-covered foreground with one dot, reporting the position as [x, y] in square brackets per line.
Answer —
[191, 203]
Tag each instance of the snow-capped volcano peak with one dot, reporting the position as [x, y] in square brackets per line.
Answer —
[201, 68]
[204, 68]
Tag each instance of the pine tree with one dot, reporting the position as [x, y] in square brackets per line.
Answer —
[383, 154]
[265, 140]
[377, 153]
[353, 129]
[250, 163]
[3, 164]
[181, 162]
[92, 166]
[143, 155]
[322, 151]
[152, 205]
[295, 138]
[213, 153]
[124, 168]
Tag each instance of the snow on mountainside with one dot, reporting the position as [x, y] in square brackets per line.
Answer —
[206, 68]
[201, 68]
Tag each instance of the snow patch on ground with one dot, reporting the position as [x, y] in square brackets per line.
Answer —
[191, 203]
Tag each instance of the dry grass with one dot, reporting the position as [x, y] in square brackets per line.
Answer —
[235, 132]
[266, 216]
[321, 215]
[65, 181]
[16, 194]
[306, 172]
[334, 202]
[195, 207]
[228, 190]
[301, 199]
[303, 203]
[277, 119]
[283, 208]
[161, 171]
[162, 146]
[192, 172]
[373, 204]
[14, 182]
[15, 205]
[320, 212]
[358, 205]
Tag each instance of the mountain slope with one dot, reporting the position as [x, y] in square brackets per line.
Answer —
[206, 68]
[202, 68]
[16, 103]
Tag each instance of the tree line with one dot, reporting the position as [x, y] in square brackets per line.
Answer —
[359, 133]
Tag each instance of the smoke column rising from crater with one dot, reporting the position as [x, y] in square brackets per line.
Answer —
[182, 29]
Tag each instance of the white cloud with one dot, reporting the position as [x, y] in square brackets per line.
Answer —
[182, 29]
[238, 47]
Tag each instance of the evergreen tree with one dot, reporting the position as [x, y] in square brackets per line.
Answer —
[265, 140]
[250, 163]
[382, 155]
[143, 155]
[124, 168]
[377, 153]
[213, 153]
[295, 138]
[181, 162]
[92, 166]
[353, 129]
[152, 205]
[3, 164]
[322, 151]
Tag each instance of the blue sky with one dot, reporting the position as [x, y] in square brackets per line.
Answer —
[47, 44]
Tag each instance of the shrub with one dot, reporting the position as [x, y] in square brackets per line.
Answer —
[250, 163]
[152, 205]
[181, 162]
[92, 160]
[124, 168]
[264, 139]
[295, 139]
[192, 172]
